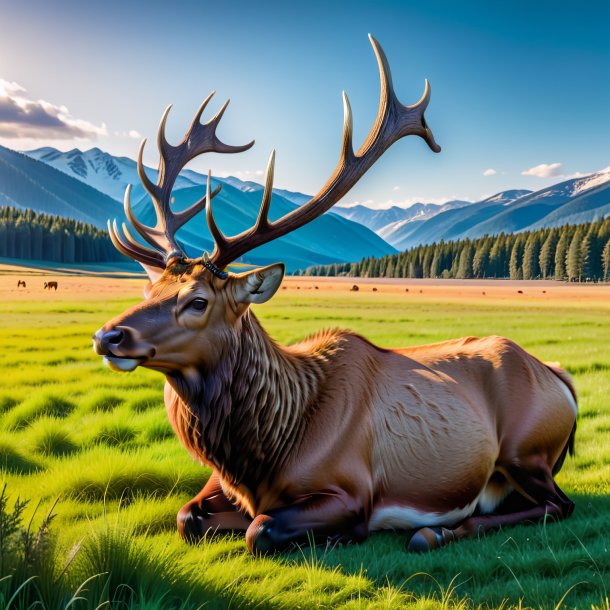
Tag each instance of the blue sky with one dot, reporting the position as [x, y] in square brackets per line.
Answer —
[516, 86]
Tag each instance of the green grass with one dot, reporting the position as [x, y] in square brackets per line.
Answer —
[99, 442]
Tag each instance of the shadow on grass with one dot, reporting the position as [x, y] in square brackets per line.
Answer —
[536, 564]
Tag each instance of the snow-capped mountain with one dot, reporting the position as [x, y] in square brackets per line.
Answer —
[571, 201]
[507, 197]
[110, 175]
[104, 172]
[30, 183]
[381, 221]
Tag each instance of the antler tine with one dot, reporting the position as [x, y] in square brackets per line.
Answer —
[156, 236]
[132, 249]
[220, 240]
[147, 183]
[144, 231]
[198, 139]
[393, 121]
[347, 151]
[262, 222]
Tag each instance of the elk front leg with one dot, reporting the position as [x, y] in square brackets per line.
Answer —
[325, 517]
[210, 511]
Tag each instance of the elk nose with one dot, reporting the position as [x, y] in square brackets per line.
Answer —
[103, 340]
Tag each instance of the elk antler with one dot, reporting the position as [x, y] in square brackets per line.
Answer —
[394, 121]
[199, 139]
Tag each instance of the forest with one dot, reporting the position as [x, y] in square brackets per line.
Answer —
[42, 237]
[576, 253]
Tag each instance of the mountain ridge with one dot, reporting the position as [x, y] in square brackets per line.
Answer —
[29, 182]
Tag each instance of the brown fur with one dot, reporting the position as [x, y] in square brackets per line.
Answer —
[431, 429]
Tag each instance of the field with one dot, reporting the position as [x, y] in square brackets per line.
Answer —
[94, 448]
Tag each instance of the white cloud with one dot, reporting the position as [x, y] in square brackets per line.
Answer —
[25, 118]
[544, 170]
[136, 135]
[9, 88]
[396, 188]
[490, 172]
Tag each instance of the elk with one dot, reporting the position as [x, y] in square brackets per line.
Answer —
[49, 285]
[331, 438]
[20, 283]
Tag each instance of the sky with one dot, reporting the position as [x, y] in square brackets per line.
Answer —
[520, 90]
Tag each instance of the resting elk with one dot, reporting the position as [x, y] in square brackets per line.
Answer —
[333, 437]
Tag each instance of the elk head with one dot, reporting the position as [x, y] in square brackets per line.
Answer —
[193, 306]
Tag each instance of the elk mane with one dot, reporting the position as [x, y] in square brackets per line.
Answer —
[249, 413]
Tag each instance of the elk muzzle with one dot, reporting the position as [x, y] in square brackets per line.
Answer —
[120, 349]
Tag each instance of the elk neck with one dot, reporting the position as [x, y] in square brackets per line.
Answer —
[248, 414]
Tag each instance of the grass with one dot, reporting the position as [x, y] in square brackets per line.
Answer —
[99, 444]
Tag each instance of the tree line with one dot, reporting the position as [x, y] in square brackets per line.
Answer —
[37, 236]
[574, 253]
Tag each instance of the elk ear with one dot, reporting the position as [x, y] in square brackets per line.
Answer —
[259, 285]
[153, 273]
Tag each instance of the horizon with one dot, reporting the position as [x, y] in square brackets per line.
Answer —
[502, 105]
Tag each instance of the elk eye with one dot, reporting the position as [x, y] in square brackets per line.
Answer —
[198, 304]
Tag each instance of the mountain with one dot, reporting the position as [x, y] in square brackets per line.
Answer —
[27, 183]
[556, 202]
[382, 220]
[50, 181]
[105, 172]
[453, 223]
[572, 201]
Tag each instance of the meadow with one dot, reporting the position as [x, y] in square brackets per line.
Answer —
[104, 476]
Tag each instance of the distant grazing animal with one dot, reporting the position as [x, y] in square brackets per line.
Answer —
[374, 289]
[332, 438]
[355, 288]
[49, 285]
[20, 283]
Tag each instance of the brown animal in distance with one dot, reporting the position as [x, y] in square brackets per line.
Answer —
[20, 283]
[49, 285]
[333, 436]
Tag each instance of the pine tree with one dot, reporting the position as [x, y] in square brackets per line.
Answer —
[606, 261]
[480, 261]
[546, 259]
[561, 253]
[531, 253]
[464, 269]
[574, 257]
[591, 253]
[516, 260]
[435, 265]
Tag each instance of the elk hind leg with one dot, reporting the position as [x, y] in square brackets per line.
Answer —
[536, 496]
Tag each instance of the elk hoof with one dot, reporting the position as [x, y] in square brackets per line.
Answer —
[264, 537]
[429, 538]
[191, 523]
